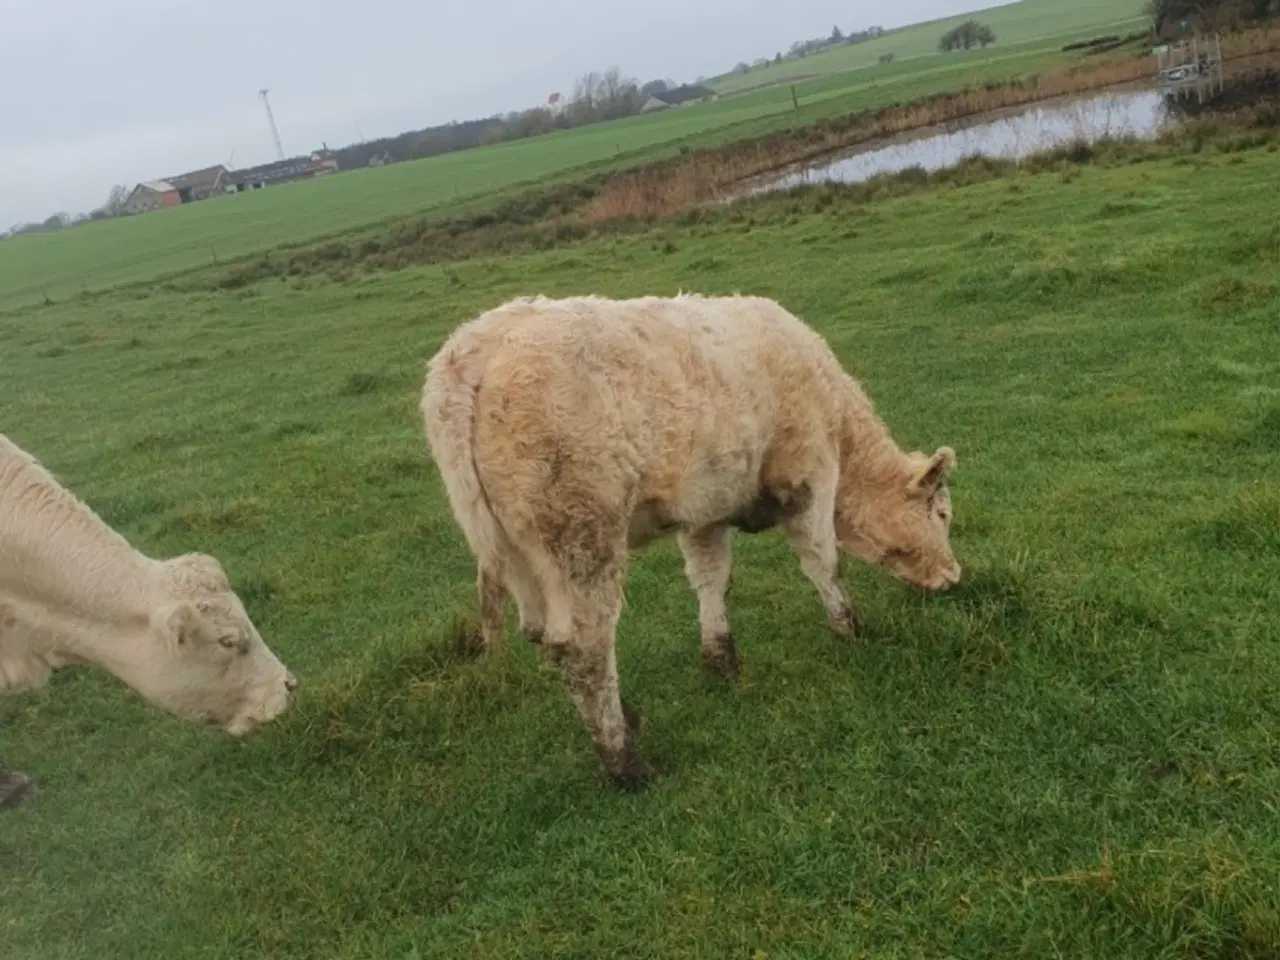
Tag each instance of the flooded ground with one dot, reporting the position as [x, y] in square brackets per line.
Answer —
[1138, 114]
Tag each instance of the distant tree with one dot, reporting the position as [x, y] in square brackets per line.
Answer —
[655, 87]
[966, 36]
[836, 35]
[777, 57]
[57, 221]
[742, 68]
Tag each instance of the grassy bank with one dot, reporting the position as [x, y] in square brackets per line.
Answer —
[1073, 754]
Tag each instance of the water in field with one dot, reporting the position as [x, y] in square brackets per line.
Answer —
[1140, 115]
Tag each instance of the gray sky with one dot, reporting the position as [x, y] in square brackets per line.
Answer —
[97, 92]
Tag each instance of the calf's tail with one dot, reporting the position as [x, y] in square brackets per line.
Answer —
[448, 413]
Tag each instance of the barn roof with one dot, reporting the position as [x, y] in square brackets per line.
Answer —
[281, 169]
[208, 177]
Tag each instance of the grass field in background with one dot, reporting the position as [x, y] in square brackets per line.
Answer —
[1072, 754]
[1014, 23]
[97, 255]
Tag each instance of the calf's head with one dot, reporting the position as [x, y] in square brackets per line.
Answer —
[902, 521]
[205, 659]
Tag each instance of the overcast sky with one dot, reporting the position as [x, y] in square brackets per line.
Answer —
[98, 92]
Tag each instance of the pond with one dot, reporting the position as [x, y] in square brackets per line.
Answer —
[1141, 115]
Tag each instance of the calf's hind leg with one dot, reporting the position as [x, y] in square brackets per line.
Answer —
[579, 640]
[493, 603]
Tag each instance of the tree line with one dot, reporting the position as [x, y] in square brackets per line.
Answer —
[807, 48]
[113, 207]
[597, 96]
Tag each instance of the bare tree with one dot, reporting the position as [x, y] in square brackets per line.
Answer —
[605, 96]
[116, 200]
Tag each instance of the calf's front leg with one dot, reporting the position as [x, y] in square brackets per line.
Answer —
[812, 535]
[707, 562]
[495, 584]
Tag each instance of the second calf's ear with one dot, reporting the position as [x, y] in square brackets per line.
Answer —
[935, 472]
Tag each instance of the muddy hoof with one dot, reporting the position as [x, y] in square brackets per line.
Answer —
[14, 788]
[632, 716]
[849, 624]
[722, 659]
[635, 775]
[468, 643]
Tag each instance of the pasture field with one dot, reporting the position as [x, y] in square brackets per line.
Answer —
[1075, 753]
[137, 249]
[1028, 21]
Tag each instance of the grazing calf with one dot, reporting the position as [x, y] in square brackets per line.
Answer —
[569, 431]
[72, 590]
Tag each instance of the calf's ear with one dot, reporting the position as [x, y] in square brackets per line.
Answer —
[935, 471]
[184, 625]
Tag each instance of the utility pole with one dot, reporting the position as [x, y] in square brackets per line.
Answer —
[275, 134]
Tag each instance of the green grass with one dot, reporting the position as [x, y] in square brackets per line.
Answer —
[1014, 23]
[138, 249]
[1073, 754]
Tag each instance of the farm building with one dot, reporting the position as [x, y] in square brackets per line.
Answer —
[282, 171]
[172, 191]
[152, 195]
[653, 105]
[215, 181]
[199, 184]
